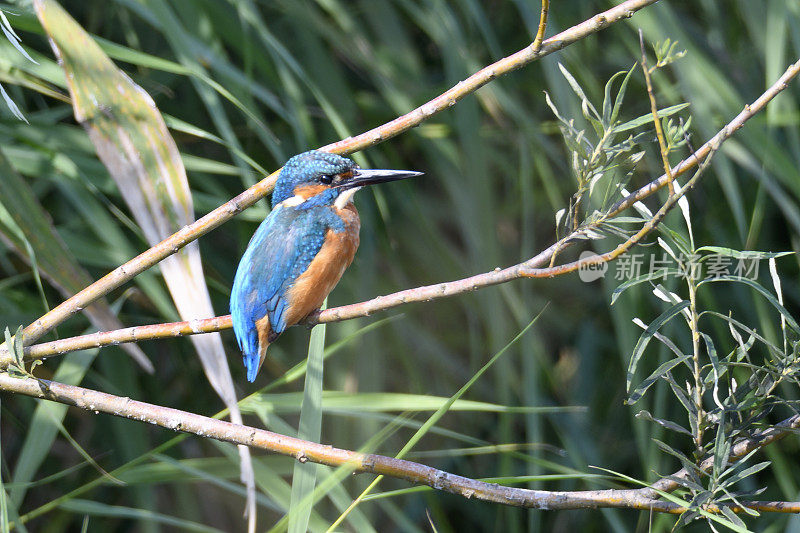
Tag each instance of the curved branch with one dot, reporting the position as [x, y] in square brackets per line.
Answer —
[429, 292]
[225, 212]
[303, 451]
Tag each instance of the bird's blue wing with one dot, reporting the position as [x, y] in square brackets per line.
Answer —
[281, 249]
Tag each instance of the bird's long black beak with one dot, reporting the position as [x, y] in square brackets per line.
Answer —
[362, 177]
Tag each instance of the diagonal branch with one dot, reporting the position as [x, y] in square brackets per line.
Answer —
[176, 420]
[258, 191]
[530, 268]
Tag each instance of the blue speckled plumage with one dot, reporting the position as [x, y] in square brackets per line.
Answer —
[299, 251]
[258, 291]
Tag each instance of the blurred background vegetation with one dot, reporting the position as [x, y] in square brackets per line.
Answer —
[304, 74]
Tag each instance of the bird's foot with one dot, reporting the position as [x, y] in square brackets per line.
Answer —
[309, 321]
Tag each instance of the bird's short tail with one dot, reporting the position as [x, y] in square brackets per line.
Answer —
[253, 361]
[256, 352]
[254, 337]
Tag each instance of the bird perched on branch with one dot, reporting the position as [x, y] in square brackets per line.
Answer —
[300, 251]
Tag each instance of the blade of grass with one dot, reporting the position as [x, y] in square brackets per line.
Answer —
[93, 508]
[304, 476]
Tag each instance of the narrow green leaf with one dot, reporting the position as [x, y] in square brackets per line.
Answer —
[94, 508]
[747, 472]
[717, 370]
[722, 449]
[730, 515]
[764, 292]
[621, 94]
[370, 402]
[12, 106]
[663, 423]
[644, 339]
[588, 109]
[607, 106]
[304, 476]
[741, 254]
[657, 374]
[648, 118]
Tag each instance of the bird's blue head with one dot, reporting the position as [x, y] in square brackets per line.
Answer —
[315, 172]
[308, 169]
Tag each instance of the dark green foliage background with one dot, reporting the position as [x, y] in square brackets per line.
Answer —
[496, 173]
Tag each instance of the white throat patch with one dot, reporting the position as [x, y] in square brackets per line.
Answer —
[293, 201]
[345, 198]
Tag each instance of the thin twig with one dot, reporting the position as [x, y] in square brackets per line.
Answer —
[429, 292]
[697, 395]
[537, 42]
[662, 143]
[225, 212]
[176, 420]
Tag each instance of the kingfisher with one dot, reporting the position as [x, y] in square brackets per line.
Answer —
[300, 251]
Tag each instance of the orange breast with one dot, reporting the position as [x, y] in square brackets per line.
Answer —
[325, 270]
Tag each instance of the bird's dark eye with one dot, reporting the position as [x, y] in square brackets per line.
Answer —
[326, 179]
